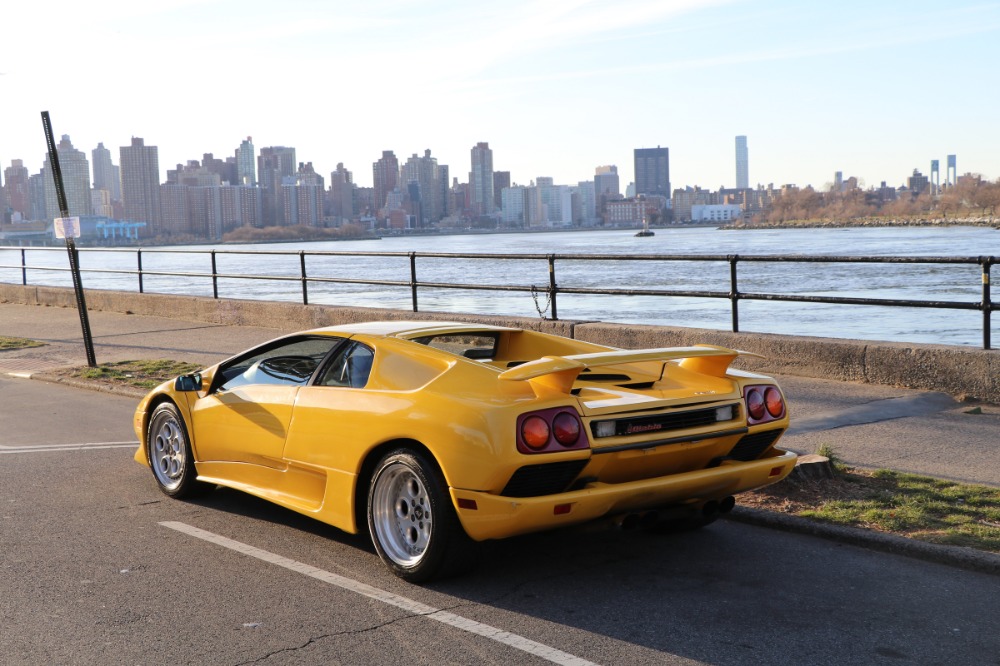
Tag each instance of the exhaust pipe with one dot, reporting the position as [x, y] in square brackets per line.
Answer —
[710, 508]
[630, 521]
[726, 504]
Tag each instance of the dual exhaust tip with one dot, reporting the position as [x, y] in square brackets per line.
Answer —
[647, 519]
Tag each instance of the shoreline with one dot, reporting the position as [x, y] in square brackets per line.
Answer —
[863, 223]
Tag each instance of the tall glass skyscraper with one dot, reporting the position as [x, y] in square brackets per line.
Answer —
[246, 174]
[481, 179]
[742, 164]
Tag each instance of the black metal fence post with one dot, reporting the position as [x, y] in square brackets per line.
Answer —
[138, 260]
[552, 286]
[413, 279]
[24, 269]
[302, 271]
[215, 278]
[734, 292]
[987, 303]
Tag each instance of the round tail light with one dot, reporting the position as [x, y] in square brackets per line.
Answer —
[755, 404]
[772, 400]
[566, 429]
[535, 432]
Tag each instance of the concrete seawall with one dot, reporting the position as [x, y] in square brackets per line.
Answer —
[959, 371]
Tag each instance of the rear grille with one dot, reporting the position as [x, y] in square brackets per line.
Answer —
[545, 479]
[751, 446]
[693, 418]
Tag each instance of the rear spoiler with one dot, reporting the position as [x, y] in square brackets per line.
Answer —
[555, 375]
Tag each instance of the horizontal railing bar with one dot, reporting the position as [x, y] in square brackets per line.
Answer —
[643, 292]
[847, 300]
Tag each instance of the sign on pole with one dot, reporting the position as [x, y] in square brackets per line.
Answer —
[67, 227]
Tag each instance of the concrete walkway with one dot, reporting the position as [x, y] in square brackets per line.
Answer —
[875, 426]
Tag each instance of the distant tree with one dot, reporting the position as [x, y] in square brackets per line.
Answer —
[986, 197]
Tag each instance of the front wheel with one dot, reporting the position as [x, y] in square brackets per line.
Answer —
[170, 457]
[412, 522]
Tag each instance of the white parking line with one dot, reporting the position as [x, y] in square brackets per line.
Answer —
[404, 603]
[50, 448]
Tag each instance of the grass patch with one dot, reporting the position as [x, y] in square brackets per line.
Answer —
[910, 505]
[7, 342]
[138, 374]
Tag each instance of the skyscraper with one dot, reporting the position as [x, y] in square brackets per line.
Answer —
[274, 164]
[106, 174]
[245, 172]
[742, 164]
[76, 180]
[16, 178]
[342, 193]
[501, 181]
[481, 179]
[607, 187]
[652, 171]
[140, 166]
[385, 172]
[302, 195]
[433, 181]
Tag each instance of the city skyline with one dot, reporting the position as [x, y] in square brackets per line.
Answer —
[556, 89]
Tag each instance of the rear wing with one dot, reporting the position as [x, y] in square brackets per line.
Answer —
[555, 375]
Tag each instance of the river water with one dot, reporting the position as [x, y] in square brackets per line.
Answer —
[937, 282]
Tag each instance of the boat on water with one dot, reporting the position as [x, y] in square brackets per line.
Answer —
[645, 231]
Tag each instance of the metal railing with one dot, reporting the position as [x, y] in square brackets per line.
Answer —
[552, 290]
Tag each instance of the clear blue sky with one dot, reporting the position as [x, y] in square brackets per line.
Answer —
[557, 87]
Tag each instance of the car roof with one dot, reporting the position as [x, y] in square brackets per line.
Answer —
[410, 329]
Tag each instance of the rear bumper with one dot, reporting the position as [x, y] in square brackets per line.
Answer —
[497, 517]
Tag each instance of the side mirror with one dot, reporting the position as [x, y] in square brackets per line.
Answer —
[190, 382]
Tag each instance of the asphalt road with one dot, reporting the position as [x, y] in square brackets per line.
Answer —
[98, 567]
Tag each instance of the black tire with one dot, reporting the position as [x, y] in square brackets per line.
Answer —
[168, 449]
[412, 522]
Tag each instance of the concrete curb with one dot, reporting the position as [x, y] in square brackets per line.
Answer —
[955, 556]
[123, 391]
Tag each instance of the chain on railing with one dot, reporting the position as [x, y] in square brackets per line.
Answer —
[733, 295]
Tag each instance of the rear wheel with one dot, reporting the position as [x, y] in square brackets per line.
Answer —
[412, 522]
[170, 456]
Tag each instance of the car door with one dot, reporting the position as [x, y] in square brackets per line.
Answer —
[327, 412]
[246, 414]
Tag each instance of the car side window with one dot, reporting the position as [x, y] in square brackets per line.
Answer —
[350, 366]
[291, 363]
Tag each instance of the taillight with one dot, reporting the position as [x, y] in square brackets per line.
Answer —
[551, 430]
[755, 404]
[535, 432]
[772, 400]
[566, 428]
[764, 403]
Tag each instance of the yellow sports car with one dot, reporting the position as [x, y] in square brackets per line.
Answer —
[435, 436]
